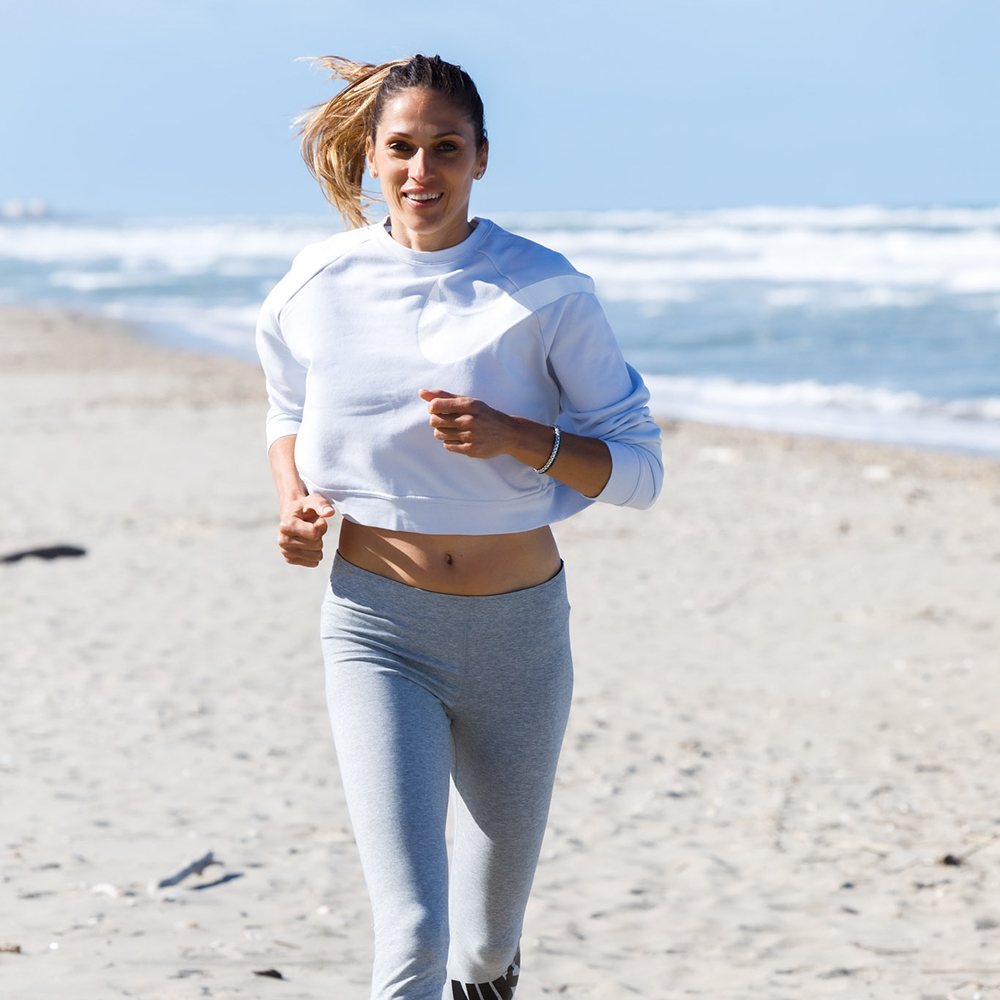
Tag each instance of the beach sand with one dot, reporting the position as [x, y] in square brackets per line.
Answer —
[781, 777]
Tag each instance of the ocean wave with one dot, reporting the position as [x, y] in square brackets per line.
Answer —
[179, 247]
[809, 392]
[646, 266]
[92, 281]
[194, 324]
[842, 410]
[766, 217]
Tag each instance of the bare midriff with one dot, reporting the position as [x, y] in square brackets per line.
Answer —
[469, 565]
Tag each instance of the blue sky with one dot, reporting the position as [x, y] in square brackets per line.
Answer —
[179, 107]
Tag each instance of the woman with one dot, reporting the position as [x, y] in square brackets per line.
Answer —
[452, 390]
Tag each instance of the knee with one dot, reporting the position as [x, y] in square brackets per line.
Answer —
[411, 950]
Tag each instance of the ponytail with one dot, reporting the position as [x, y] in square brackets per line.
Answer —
[333, 134]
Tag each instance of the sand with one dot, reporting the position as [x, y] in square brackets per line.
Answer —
[780, 779]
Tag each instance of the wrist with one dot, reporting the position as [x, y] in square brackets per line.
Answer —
[287, 482]
[291, 497]
[553, 455]
[534, 442]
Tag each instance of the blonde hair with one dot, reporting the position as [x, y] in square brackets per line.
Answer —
[334, 133]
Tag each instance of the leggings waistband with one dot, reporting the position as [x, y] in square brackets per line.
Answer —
[365, 587]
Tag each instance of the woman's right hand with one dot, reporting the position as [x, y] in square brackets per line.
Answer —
[303, 524]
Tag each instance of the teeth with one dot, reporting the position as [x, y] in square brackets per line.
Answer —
[422, 197]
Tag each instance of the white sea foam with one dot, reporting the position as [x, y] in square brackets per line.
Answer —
[648, 264]
[767, 216]
[194, 324]
[92, 281]
[845, 410]
[181, 247]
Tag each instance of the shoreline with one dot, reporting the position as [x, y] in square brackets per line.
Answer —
[785, 721]
[174, 337]
[233, 359]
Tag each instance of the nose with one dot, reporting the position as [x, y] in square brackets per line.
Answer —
[419, 165]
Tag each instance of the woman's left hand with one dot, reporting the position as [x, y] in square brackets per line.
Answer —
[468, 426]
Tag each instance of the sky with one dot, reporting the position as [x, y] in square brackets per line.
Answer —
[182, 108]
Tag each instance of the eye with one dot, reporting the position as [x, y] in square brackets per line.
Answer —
[448, 147]
[398, 146]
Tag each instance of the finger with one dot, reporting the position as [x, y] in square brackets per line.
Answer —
[428, 394]
[292, 544]
[452, 435]
[450, 419]
[303, 560]
[306, 520]
[312, 515]
[308, 514]
[305, 530]
[292, 550]
[319, 504]
[451, 404]
[302, 529]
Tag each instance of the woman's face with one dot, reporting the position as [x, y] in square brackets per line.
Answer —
[425, 158]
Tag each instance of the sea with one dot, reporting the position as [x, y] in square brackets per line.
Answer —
[860, 322]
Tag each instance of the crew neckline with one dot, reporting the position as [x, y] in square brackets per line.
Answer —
[446, 256]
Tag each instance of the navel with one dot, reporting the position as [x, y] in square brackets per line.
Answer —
[448, 559]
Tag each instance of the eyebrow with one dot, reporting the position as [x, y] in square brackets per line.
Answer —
[440, 135]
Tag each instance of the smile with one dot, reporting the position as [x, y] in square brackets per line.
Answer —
[422, 198]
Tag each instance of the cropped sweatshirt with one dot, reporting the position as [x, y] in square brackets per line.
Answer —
[360, 323]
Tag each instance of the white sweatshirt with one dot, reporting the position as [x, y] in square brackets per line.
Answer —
[360, 323]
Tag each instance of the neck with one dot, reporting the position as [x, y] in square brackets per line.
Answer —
[431, 241]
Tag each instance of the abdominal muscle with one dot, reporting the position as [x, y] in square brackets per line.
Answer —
[468, 565]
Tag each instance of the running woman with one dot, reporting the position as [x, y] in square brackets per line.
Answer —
[451, 390]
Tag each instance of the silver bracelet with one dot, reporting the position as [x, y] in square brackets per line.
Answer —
[552, 457]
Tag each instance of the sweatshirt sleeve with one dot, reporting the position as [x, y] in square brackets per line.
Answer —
[285, 377]
[601, 396]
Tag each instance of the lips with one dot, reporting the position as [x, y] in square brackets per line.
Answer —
[421, 198]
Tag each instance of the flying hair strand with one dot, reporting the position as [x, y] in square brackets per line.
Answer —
[333, 134]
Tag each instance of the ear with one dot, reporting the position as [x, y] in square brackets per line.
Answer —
[483, 157]
[370, 156]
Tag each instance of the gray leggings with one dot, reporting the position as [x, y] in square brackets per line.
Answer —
[422, 687]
